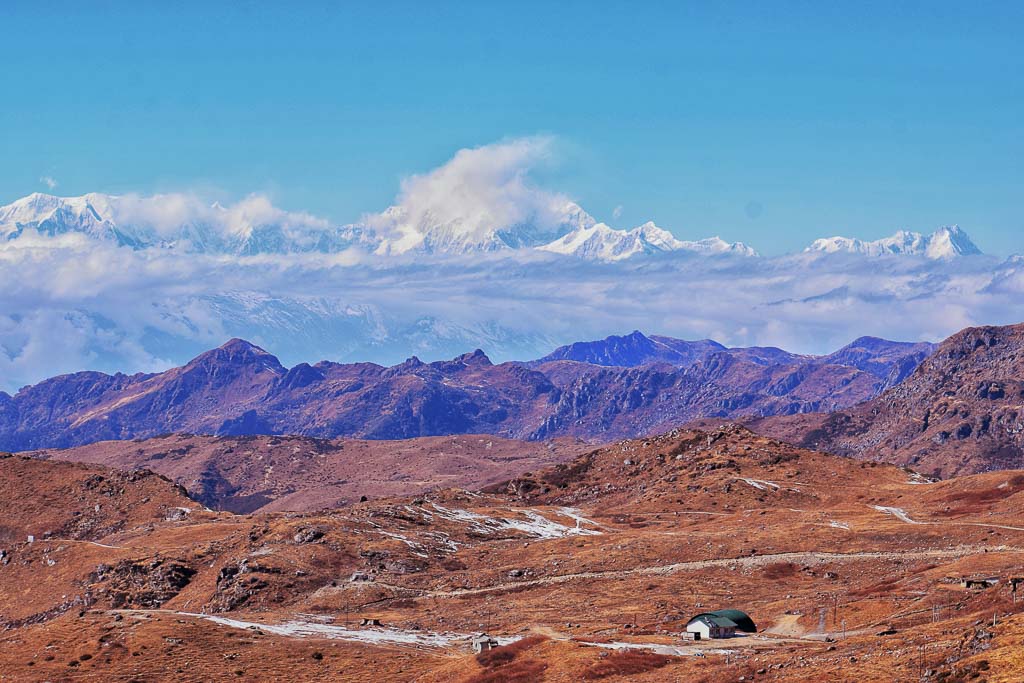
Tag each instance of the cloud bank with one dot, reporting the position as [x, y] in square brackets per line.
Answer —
[91, 293]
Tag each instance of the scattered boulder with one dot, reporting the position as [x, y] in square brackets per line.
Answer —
[308, 535]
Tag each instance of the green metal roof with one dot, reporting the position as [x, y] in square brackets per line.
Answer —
[741, 620]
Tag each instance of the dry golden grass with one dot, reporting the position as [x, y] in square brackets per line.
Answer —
[626, 663]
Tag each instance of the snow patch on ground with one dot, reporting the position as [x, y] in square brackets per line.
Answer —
[762, 485]
[839, 525]
[898, 513]
[535, 524]
[416, 548]
[372, 636]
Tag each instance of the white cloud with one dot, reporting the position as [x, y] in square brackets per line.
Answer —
[50, 183]
[167, 213]
[617, 212]
[72, 301]
[472, 196]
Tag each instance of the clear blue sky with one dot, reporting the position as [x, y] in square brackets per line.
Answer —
[770, 123]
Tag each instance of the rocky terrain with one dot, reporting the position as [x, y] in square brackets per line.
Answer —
[888, 360]
[961, 411]
[240, 389]
[587, 570]
[263, 473]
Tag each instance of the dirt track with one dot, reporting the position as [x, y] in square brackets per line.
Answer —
[749, 561]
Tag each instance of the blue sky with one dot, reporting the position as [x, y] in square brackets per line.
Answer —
[771, 123]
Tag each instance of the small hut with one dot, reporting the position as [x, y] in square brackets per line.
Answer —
[483, 643]
[721, 623]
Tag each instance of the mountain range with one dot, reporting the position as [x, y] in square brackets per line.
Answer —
[253, 226]
[945, 410]
[959, 412]
[600, 242]
[622, 386]
[945, 243]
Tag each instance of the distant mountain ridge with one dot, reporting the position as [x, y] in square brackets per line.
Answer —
[253, 226]
[247, 228]
[885, 359]
[239, 389]
[945, 243]
[635, 349]
[603, 243]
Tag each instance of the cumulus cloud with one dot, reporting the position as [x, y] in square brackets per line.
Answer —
[167, 213]
[473, 196]
[50, 183]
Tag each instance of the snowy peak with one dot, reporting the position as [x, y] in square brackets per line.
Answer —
[601, 242]
[403, 231]
[53, 216]
[180, 221]
[945, 243]
[716, 245]
[253, 226]
[950, 241]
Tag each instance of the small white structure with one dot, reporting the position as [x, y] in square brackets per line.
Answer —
[483, 643]
[708, 626]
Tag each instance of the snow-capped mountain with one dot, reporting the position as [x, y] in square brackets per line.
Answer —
[251, 226]
[402, 231]
[945, 243]
[600, 242]
[57, 215]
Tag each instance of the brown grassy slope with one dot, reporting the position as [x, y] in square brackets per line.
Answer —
[685, 522]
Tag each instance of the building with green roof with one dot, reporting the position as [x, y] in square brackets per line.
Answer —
[721, 623]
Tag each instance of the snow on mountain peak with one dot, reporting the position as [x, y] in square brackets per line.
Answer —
[404, 229]
[250, 226]
[601, 242]
[945, 243]
[950, 241]
[479, 219]
[51, 215]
